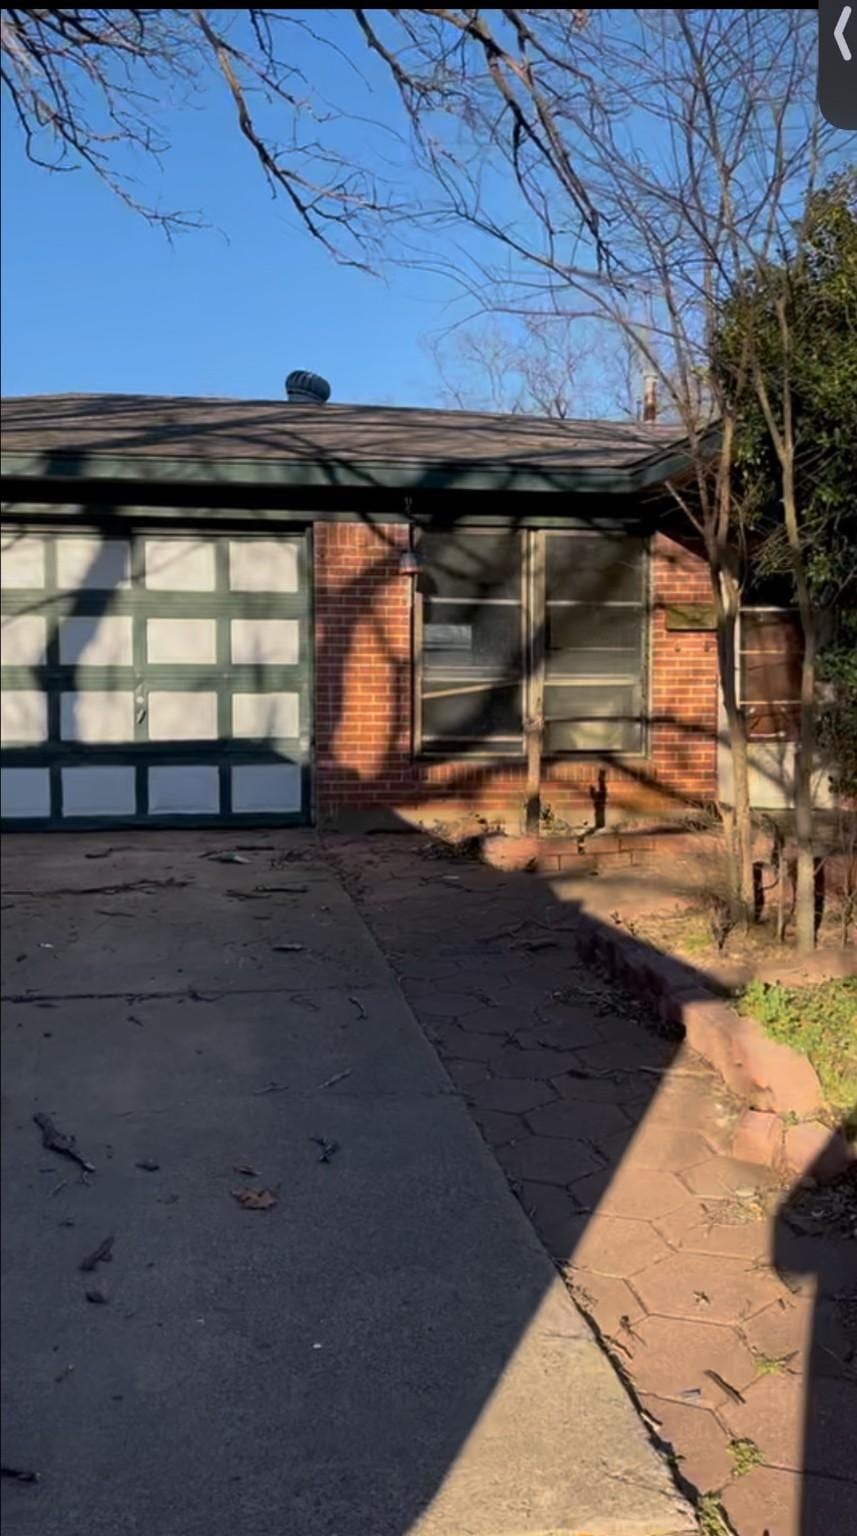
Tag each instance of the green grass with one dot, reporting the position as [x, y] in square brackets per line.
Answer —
[712, 1521]
[820, 1021]
[695, 936]
[745, 1456]
[770, 1365]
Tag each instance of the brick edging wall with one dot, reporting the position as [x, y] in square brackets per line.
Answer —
[777, 1083]
[364, 699]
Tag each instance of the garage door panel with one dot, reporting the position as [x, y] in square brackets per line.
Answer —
[92, 564]
[98, 715]
[23, 717]
[22, 561]
[154, 678]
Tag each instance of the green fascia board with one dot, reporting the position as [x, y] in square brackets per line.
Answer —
[290, 475]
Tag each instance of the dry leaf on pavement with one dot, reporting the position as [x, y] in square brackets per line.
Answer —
[256, 1199]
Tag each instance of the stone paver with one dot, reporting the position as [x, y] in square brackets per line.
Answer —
[641, 1050]
[495, 1021]
[697, 1228]
[458, 1043]
[618, 1143]
[630, 1191]
[554, 1214]
[716, 1289]
[773, 1502]
[612, 1246]
[547, 1161]
[722, 1177]
[773, 1415]
[560, 1037]
[675, 1355]
[611, 1303]
[514, 1094]
[499, 1128]
[579, 1119]
[699, 1442]
[579, 1085]
[782, 1329]
[466, 1075]
[667, 1148]
[542, 1064]
[434, 1002]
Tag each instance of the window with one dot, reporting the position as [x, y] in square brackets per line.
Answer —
[594, 626]
[769, 665]
[506, 619]
[471, 601]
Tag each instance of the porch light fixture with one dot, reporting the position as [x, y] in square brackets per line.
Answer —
[409, 563]
[409, 560]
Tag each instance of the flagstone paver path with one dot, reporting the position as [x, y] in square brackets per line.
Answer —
[729, 1324]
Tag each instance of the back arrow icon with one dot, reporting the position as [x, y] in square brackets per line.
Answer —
[839, 33]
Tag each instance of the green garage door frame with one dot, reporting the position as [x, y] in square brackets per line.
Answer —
[223, 677]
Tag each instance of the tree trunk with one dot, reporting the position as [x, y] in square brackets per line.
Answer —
[534, 731]
[805, 884]
[737, 823]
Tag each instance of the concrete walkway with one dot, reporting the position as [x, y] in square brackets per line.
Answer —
[728, 1303]
[384, 1350]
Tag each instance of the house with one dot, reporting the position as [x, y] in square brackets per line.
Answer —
[238, 611]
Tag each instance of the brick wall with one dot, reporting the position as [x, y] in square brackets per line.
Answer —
[363, 700]
[683, 668]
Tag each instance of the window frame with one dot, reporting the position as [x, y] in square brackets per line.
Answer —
[770, 705]
[534, 678]
[639, 679]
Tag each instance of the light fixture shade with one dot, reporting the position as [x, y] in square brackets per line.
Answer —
[409, 563]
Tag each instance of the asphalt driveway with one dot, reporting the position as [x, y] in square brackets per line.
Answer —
[385, 1347]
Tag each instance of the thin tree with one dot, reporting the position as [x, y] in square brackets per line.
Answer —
[798, 420]
[657, 159]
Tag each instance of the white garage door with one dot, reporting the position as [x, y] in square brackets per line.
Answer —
[154, 678]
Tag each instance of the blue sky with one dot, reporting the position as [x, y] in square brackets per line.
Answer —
[95, 299]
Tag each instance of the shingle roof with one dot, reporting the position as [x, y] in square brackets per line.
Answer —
[142, 427]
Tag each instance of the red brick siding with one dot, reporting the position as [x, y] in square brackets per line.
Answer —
[363, 697]
[683, 677]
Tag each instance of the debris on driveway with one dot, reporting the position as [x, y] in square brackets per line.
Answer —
[96, 1297]
[288, 949]
[361, 1011]
[338, 1077]
[103, 1254]
[246, 1170]
[57, 1141]
[18, 1475]
[146, 886]
[731, 1392]
[148, 1165]
[225, 857]
[329, 1149]
[256, 1199]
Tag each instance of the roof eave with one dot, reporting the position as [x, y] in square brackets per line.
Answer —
[290, 474]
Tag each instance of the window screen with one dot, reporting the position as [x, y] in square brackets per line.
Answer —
[594, 652]
[480, 639]
[470, 588]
